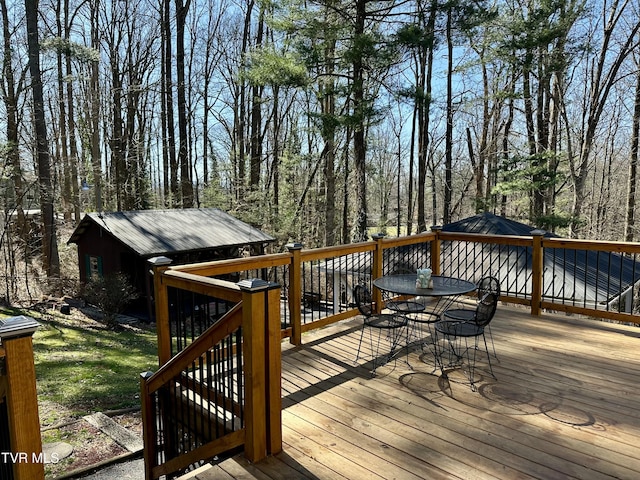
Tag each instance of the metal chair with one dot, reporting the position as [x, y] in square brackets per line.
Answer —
[457, 334]
[486, 284]
[388, 325]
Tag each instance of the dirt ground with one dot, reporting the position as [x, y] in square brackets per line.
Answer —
[90, 445]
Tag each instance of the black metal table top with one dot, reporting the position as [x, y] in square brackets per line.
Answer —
[406, 285]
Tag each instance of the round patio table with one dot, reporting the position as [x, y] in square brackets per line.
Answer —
[443, 292]
[443, 288]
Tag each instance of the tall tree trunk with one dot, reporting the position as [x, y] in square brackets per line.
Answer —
[169, 131]
[506, 134]
[424, 116]
[412, 155]
[347, 182]
[186, 184]
[117, 144]
[63, 141]
[255, 155]
[448, 158]
[11, 105]
[528, 113]
[359, 142]
[96, 161]
[629, 228]
[51, 261]
[73, 148]
[327, 89]
[480, 203]
[240, 120]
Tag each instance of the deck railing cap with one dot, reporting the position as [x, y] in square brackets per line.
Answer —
[253, 284]
[159, 261]
[15, 327]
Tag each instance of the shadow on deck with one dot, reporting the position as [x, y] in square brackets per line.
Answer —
[564, 405]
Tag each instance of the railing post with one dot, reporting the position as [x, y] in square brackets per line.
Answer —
[435, 250]
[295, 293]
[274, 371]
[537, 269]
[161, 301]
[254, 311]
[21, 397]
[376, 268]
[149, 433]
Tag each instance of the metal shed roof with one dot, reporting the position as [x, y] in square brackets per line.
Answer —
[156, 232]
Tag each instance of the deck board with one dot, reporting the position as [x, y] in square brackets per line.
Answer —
[564, 405]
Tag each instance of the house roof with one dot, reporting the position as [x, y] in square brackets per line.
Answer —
[156, 232]
[571, 274]
[490, 224]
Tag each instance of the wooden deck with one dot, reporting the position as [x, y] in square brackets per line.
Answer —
[564, 405]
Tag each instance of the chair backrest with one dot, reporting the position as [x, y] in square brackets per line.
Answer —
[488, 284]
[364, 300]
[486, 309]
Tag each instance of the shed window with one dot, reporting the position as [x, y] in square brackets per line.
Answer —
[94, 267]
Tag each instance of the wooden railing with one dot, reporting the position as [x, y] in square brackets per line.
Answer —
[20, 440]
[221, 390]
[593, 278]
[309, 289]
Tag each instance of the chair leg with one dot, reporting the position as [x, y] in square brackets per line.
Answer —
[394, 337]
[360, 343]
[493, 345]
[374, 351]
[460, 355]
[489, 356]
[471, 365]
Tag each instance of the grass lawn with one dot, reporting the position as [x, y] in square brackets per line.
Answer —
[82, 367]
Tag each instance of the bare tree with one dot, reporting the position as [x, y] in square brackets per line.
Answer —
[94, 113]
[602, 76]
[186, 184]
[12, 88]
[51, 261]
[633, 165]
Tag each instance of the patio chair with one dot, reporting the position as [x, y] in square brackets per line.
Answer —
[458, 333]
[486, 284]
[389, 326]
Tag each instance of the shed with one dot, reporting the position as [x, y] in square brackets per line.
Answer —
[124, 241]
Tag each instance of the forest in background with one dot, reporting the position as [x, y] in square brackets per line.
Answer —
[319, 120]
